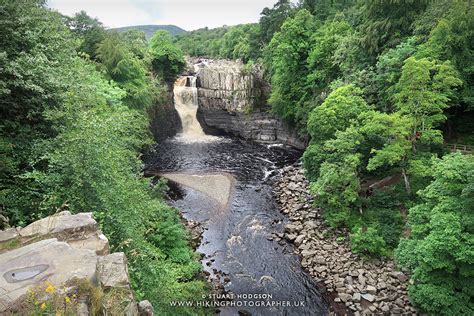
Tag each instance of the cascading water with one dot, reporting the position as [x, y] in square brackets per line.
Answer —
[186, 104]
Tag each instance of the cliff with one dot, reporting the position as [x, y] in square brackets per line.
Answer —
[164, 120]
[232, 98]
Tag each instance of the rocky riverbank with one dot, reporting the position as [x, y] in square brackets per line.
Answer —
[356, 285]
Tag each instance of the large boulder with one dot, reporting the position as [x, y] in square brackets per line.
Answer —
[46, 260]
[79, 230]
[63, 250]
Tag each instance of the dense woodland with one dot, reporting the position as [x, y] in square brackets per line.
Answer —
[378, 87]
[73, 104]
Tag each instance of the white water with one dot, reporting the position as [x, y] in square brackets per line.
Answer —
[186, 103]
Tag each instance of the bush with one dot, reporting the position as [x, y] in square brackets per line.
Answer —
[367, 240]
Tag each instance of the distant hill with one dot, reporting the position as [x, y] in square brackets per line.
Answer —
[150, 29]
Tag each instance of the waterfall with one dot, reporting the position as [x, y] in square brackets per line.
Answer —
[186, 103]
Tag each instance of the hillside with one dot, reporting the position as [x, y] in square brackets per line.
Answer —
[150, 29]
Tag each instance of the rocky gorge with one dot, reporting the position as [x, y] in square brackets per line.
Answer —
[232, 100]
[355, 284]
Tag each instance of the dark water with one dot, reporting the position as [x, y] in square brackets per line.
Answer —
[237, 239]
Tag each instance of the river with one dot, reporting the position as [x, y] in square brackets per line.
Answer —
[238, 236]
[225, 184]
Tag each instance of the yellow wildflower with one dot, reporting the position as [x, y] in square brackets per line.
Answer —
[50, 289]
[37, 303]
[68, 300]
[43, 306]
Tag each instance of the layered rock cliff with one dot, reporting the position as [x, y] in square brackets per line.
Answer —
[232, 98]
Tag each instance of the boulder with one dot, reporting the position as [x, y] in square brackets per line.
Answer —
[145, 308]
[8, 235]
[113, 272]
[49, 259]
[79, 230]
[79, 251]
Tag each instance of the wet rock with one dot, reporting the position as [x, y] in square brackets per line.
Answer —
[356, 297]
[291, 228]
[344, 297]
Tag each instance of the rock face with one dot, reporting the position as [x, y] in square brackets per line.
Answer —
[164, 119]
[357, 286]
[233, 98]
[60, 249]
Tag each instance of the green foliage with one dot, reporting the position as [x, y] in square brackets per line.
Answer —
[127, 70]
[88, 30]
[367, 240]
[70, 139]
[321, 61]
[167, 59]
[438, 252]
[452, 39]
[272, 19]
[337, 187]
[338, 111]
[423, 92]
[385, 23]
[387, 73]
[231, 42]
[289, 50]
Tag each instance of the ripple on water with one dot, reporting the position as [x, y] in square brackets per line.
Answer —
[236, 237]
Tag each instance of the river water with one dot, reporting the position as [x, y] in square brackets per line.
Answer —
[237, 241]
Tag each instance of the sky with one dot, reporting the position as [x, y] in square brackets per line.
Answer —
[187, 14]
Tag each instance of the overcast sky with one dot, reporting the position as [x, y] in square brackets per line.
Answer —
[187, 14]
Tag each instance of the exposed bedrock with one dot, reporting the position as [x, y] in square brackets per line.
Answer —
[164, 119]
[63, 252]
[232, 99]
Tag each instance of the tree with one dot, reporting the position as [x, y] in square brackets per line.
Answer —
[167, 60]
[89, 30]
[423, 92]
[272, 19]
[35, 64]
[439, 251]
[127, 70]
[340, 109]
[452, 40]
[323, 67]
[325, 9]
[288, 54]
[386, 22]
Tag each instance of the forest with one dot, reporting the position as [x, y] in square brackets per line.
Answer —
[74, 122]
[378, 88]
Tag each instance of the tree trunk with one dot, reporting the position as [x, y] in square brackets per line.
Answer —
[407, 181]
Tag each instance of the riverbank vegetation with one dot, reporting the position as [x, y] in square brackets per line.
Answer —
[73, 102]
[378, 88]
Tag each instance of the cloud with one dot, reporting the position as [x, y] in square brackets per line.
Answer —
[187, 14]
[110, 13]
